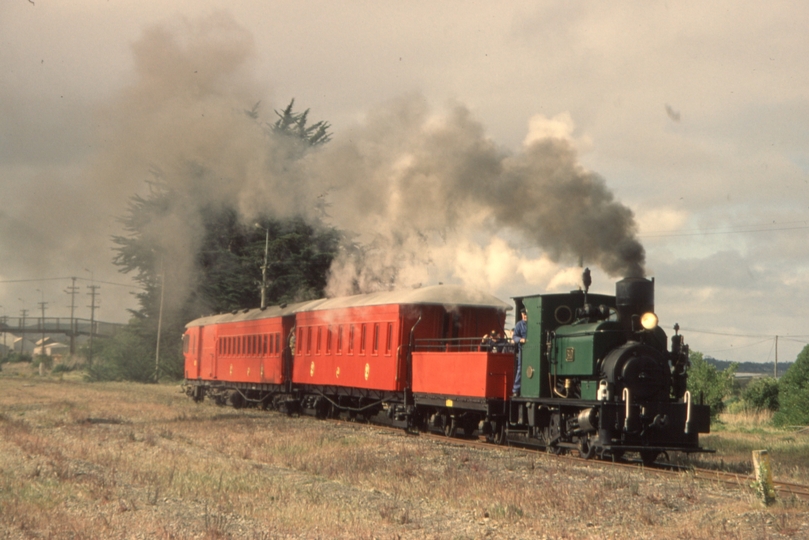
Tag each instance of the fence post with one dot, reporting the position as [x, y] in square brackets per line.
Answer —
[763, 483]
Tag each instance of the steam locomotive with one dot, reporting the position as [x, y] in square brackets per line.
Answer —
[597, 374]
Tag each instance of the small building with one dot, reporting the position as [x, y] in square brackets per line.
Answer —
[52, 348]
[23, 345]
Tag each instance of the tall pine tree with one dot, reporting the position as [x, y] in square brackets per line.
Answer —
[226, 273]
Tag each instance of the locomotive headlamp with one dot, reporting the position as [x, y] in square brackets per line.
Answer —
[648, 321]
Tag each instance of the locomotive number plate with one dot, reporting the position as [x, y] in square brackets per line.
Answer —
[570, 354]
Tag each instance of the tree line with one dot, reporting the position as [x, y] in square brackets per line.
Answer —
[787, 397]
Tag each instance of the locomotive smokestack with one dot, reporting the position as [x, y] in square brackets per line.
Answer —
[634, 296]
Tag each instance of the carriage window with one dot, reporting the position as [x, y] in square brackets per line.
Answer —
[362, 339]
[351, 339]
[328, 340]
[339, 348]
[309, 339]
[185, 343]
[300, 340]
[277, 342]
[319, 339]
[389, 339]
[375, 346]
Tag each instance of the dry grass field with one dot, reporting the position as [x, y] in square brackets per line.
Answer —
[120, 460]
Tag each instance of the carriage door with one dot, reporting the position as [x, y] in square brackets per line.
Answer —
[197, 352]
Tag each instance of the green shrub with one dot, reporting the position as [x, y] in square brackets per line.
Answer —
[127, 356]
[708, 384]
[793, 393]
[762, 394]
[61, 368]
[16, 357]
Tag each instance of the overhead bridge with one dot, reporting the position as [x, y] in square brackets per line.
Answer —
[58, 325]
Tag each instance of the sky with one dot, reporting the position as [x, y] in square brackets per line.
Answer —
[462, 134]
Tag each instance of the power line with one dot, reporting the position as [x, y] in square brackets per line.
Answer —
[741, 346]
[706, 233]
[723, 227]
[70, 277]
[767, 336]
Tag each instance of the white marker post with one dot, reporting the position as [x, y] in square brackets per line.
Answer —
[763, 483]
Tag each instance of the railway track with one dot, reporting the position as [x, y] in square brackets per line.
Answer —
[783, 489]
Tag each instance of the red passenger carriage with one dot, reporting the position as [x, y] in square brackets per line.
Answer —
[361, 354]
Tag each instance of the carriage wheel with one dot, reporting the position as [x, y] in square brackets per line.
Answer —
[450, 427]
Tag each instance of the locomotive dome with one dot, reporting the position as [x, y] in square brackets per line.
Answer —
[443, 295]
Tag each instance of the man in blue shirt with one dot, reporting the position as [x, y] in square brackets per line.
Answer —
[520, 333]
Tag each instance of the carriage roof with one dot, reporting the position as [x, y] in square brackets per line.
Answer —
[445, 295]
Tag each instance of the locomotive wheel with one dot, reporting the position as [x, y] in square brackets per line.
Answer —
[586, 449]
[649, 456]
[498, 434]
[555, 450]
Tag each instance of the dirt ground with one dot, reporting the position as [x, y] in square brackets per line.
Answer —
[119, 460]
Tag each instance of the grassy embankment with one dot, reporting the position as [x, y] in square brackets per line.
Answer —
[119, 460]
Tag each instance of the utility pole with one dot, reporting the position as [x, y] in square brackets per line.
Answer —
[776, 358]
[93, 293]
[5, 331]
[24, 313]
[264, 268]
[72, 290]
[42, 306]
[159, 321]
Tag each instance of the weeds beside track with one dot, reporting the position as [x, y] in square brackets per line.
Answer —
[118, 460]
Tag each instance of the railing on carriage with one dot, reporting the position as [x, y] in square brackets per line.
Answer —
[475, 344]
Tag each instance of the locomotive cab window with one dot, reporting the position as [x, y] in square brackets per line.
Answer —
[185, 343]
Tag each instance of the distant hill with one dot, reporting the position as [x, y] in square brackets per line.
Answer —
[765, 368]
